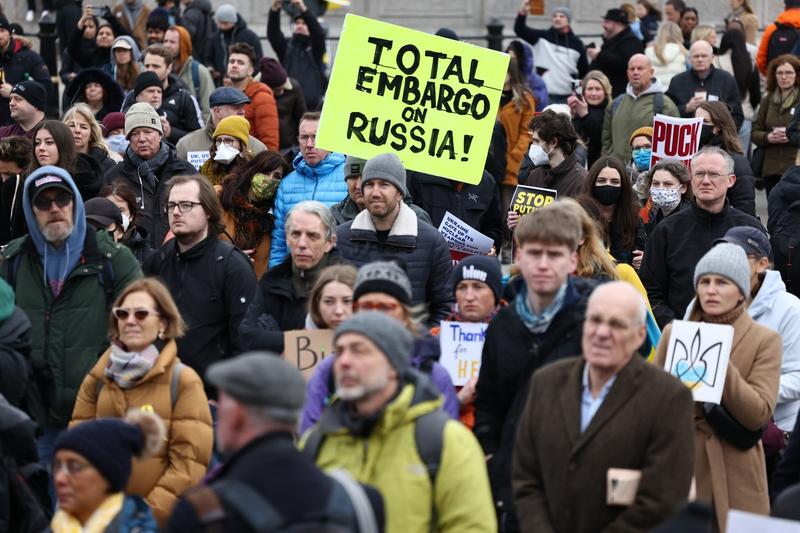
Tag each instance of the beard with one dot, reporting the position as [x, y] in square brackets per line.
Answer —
[57, 233]
[362, 390]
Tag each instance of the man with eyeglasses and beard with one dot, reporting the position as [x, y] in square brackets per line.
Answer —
[210, 279]
[65, 275]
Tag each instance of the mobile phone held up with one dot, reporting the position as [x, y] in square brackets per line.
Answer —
[577, 88]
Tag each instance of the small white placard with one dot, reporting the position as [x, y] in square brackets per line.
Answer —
[462, 237]
[198, 158]
[698, 355]
[461, 344]
[743, 522]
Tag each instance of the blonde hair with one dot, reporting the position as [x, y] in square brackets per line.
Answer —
[593, 259]
[702, 32]
[96, 139]
[600, 78]
[669, 32]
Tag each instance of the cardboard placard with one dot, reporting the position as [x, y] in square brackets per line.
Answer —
[198, 158]
[675, 138]
[461, 346]
[462, 237]
[698, 355]
[526, 199]
[431, 100]
[306, 348]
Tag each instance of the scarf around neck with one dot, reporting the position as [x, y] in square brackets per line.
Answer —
[128, 368]
[726, 318]
[538, 323]
[132, 12]
[148, 168]
[64, 522]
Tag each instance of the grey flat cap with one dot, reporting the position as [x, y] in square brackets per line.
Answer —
[261, 379]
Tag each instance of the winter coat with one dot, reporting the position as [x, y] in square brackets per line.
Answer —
[212, 284]
[19, 63]
[151, 216]
[717, 83]
[139, 28]
[752, 95]
[291, 105]
[632, 113]
[511, 354]
[182, 110]
[477, 205]
[748, 20]
[222, 40]
[346, 210]
[201, 140]
[649, 27]
[74, 92]
[64, 348]
[15, 352]
[674, 62]
[562, 56]
[386, 459]
[590, 129]
[518, 136]
[135, 239]
[534, 82]
[12, 219]
[303, 57]
[275, 307]
[613, 59]
[105, 161]
[272, 467]
[725, 475]
[667, 270]
[784, 194]
[656, 215]
[88, 176]
[424, 358]
[422, 248]
[18, 448]
[259, 258]
[204, 82]
[567, 178]
[787, 473]
[182, 461]
[550, 443]
[774, 113]
[779, 310]
[323, 182]
[262, 113]
[789, 17]
[198, 20]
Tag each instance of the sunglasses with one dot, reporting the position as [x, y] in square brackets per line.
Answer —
[43, 204]
[139, 314]
[387, 307]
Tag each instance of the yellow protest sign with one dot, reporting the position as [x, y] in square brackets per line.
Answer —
[432, 101]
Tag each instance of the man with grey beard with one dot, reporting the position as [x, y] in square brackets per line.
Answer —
[66, 277]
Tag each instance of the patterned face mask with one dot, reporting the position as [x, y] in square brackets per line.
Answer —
[264, 187]
[666, 199]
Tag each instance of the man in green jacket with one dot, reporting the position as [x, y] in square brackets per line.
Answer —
[386, 429]
[66, 276]
[643, 99]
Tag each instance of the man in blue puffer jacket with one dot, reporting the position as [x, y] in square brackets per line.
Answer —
[318, 175]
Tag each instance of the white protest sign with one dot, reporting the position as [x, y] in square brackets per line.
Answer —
[461, 345]
[462, 237]
[198, 158]
[743, 522]
[675, 138]
[698, 355]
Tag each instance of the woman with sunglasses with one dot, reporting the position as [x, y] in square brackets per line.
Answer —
[229, 149]
[383, 286]
[141, 370]
[91, 468]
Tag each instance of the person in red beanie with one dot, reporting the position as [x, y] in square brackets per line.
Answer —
[289, 99]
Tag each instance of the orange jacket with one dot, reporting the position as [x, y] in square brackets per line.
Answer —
[790, 16]
[518, 136]
[262, 113]
[259, 256]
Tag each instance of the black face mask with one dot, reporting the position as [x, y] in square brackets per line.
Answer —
[706, 134]
[607, 194]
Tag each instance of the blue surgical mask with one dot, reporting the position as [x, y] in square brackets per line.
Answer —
[642, 158]
[117, 142]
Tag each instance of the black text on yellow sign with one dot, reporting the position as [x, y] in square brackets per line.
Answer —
[526, 200]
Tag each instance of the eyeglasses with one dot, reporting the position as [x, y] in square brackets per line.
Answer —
[140, 314]
[183, 207]
[785, 73]
[71, 466]
[386, 307]
[700, 174]
[43, 203]
[304, 138]
[228, 142]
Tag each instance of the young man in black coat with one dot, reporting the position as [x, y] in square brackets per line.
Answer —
[543, 324]
[619, 44]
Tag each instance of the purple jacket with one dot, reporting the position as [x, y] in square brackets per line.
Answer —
[426, 352]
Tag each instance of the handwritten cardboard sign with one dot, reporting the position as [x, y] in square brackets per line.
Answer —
[526, 199]
[462, 237]
[675, 138]
[698, 355]
[432, 101]
[461, 345]
[306, 348]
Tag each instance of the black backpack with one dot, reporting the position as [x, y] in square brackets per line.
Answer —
[29, 505]
[782, 41]
[785, 242]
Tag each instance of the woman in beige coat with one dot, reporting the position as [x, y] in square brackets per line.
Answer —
[726, 476]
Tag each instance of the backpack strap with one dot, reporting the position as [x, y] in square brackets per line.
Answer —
[313, 443]
[106, 279]
[207, 507]
[196, 78]
[615, 103]
[429, 438]
[12, 265]
[356, 498]
[658, 103]
[257, 512]
[173, 384]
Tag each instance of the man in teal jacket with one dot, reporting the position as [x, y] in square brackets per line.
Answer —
[318, 175]
[66, 276]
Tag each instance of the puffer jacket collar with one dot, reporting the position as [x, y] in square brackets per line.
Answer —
[323, 168]
[404, 231]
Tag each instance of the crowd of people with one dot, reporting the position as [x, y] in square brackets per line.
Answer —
[162, 234]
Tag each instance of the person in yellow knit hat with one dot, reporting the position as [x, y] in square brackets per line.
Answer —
[229, 149]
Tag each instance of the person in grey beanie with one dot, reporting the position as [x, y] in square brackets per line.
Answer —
[380, 408]
[729, 464]
[388, 227]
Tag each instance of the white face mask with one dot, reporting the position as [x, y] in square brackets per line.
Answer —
[538, 155]
[225, 154]
[667, 199]
[126, 222]
[117, 142]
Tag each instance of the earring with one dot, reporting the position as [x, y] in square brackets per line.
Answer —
[161, 335]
